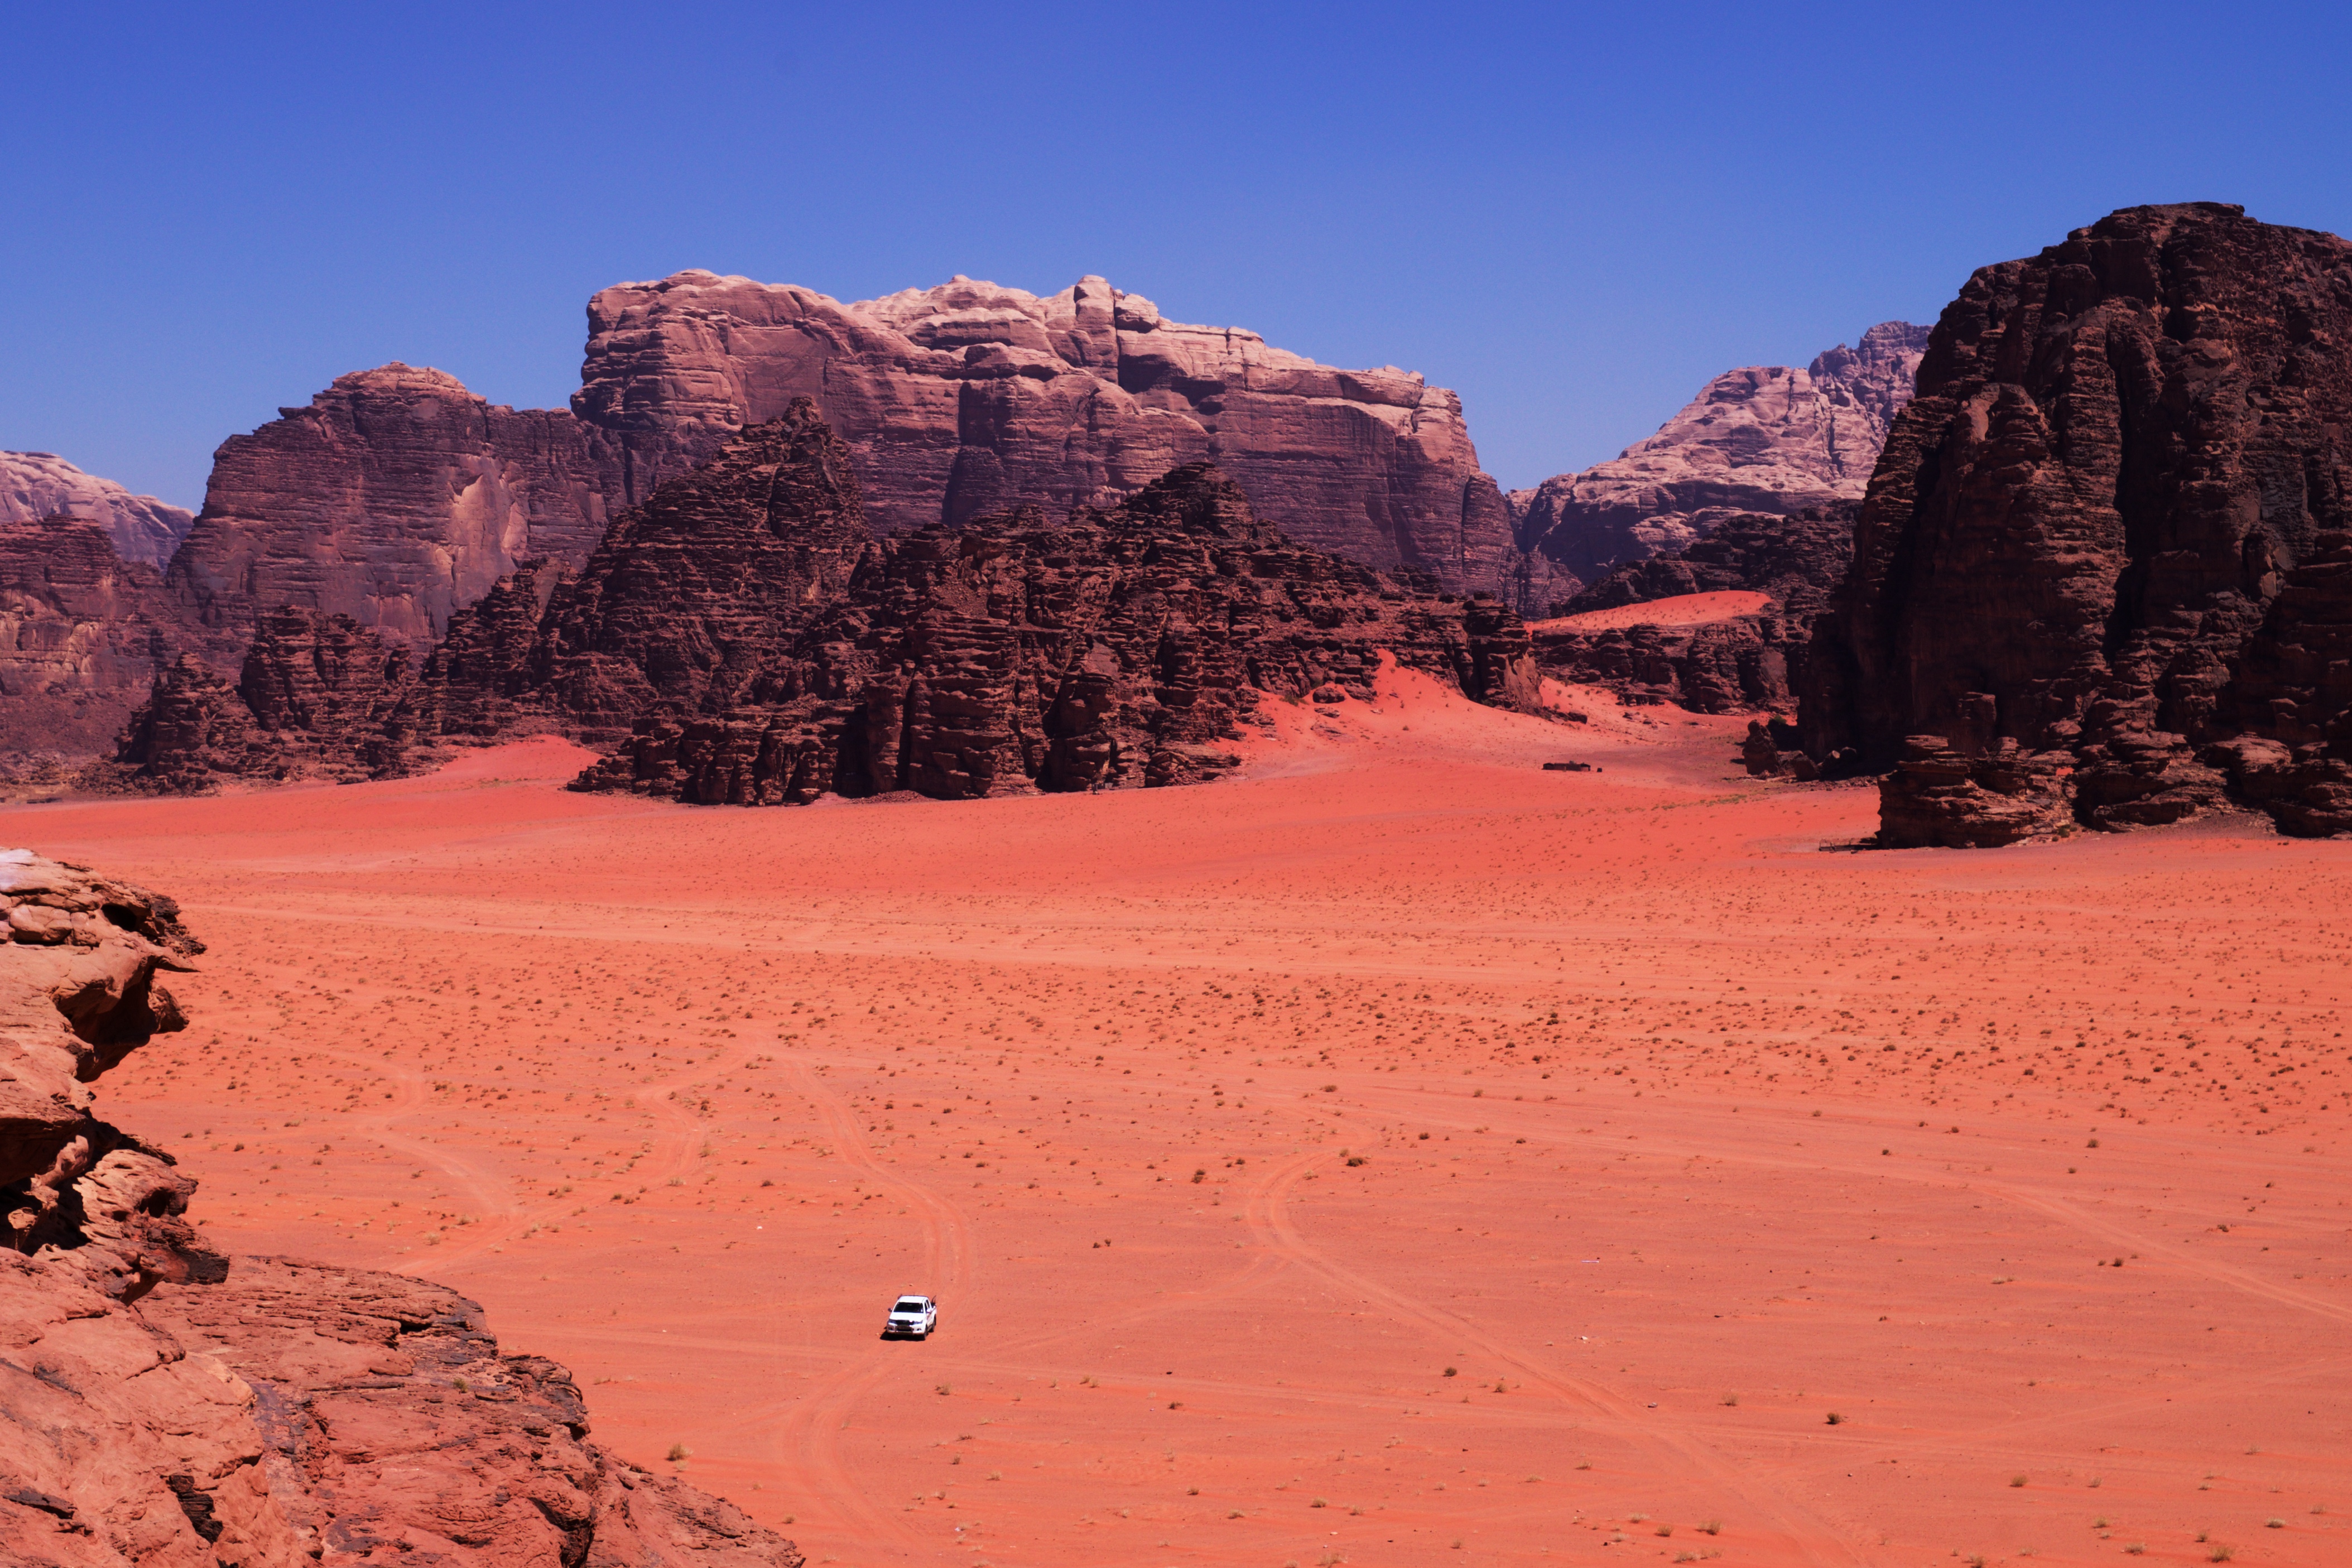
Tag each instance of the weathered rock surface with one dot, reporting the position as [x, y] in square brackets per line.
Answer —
[1746, 663]
[970, 398]
[748, 598]
[1122, 648]
[82, 634]
[37, 485]
[395, 498]
[158, 1407]
[692, 595]
[2099, 568]
[319, 696]
[78, 992]
[1763, 438]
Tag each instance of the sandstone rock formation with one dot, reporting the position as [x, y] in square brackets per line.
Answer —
[690, 595]
[1746, 663]
[82, 634]
[1119, 648]
[970, 398]
[748, 599]
[2099, 576]
[398, 499]
[77, 993]
[1764, 439]
[395, 498]
[162, 1407]
[319, 696]
[37, 485]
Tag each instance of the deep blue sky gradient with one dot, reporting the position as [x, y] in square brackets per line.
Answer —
[1571, 214]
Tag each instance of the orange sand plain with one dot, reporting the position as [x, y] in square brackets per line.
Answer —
[1682, 610]
[1397, 1155]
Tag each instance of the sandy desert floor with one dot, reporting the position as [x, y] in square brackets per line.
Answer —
[1397, 1155]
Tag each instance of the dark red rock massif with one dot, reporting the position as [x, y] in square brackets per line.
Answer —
[37, 485]
[1764, 439]
[82, 634]
[1121, 649]
[747, 604]
[2103, 575]
[395, 498]
[1740, 664]
[164, 1406]
[317, 695]
[970, 398]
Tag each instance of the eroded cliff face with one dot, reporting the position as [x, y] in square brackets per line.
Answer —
[748, 599]
[970, 398]
[1764, 439]
[37, 485]
[395, 498]
[164, 1407]
[317, 695]
[82, 634]
[1120, 650]
[2100, 577]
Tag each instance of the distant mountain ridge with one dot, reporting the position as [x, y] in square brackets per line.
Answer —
[35, 485]
[1762, 438]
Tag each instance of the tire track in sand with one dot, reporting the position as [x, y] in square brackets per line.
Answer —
[1814, 1537]
[808, 1437]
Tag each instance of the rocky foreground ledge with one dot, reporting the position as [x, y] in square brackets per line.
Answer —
[164, 1407]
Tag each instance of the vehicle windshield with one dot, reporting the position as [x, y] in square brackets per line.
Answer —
[909, 1306]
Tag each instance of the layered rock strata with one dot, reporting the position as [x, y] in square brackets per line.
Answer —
[80, 990]
[82, 634]
[970, 398]
[37, 485]
[163, 1407]
[396, 497]
[2099, 574]
[1762, 439]
[1123, 647]
[1744, 663]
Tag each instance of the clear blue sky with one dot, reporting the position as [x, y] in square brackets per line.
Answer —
[1571, 214]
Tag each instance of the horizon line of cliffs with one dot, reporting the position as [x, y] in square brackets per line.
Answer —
[397, 498]
[745, 637]
[183, 1407]
[2100, 576]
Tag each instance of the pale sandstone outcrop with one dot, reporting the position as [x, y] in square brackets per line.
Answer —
[972, 398]
[35, 485]
[1763, 438]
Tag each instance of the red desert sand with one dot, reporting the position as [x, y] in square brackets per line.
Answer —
[1681, 610]
[1397, 1154]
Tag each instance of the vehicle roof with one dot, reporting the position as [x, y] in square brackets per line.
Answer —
[921, 1300]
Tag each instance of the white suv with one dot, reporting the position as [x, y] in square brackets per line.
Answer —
[914, 1317]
